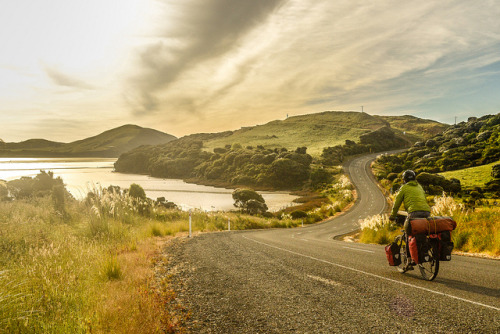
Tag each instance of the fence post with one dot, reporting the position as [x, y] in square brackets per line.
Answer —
[190, 223]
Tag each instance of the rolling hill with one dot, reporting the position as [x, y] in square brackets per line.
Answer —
[110, 143]
[279, 154]
[331, 128]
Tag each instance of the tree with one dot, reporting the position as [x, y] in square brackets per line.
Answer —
[320, 176]
[136, 191]
[287, 173]
[250, 201]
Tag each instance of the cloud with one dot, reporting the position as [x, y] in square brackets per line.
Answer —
[200, 31]
[232, 64]
[62, 79]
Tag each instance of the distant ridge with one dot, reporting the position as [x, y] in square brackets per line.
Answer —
[110, 143]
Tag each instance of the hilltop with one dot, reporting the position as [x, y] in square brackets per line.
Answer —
[110, 143]
[330, 128]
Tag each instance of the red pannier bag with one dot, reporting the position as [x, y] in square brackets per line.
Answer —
[419, 247]
[393, 254]
[432, 225]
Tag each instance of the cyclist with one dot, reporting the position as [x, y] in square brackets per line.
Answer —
[412, 195]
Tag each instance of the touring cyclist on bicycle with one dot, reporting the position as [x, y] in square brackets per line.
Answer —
[412, 195]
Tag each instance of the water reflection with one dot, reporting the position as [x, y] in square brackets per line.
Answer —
[83, 174]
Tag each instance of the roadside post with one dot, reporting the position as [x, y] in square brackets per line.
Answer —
[190, 223]
[302, 222]
[229, 224]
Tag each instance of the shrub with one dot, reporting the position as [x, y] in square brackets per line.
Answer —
[248, 200]
[136, 191]
[298, 214]
[495, 171]
[58, 195]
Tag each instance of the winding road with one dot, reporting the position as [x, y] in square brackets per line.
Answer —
[302, 280]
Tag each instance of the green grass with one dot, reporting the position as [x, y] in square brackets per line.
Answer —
[472, 177]
[315, 131]
[320, 130]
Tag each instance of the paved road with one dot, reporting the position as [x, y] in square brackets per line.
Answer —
[303, 281]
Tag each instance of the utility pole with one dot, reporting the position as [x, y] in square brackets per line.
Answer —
[362, 108]
[455, 120]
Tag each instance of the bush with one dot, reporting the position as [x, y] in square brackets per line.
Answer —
[58, 195]
[495, 171]
[297, 214]
[248, 200]
[136, 191]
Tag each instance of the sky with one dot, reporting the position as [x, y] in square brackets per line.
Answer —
[72, 69]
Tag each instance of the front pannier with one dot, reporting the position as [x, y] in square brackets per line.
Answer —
[419, 248]
[392, 251]
[446, 246]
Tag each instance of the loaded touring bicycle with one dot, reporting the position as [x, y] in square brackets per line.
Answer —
[424, 245]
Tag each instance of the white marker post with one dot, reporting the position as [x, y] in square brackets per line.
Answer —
[190, 223]
[302, 222]
[229, 224]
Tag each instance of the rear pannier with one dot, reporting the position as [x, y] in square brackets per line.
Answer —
[393, 255]
[419, 248]
[446, 246]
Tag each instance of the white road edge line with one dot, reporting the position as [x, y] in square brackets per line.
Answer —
[358, 249]
[375, 275]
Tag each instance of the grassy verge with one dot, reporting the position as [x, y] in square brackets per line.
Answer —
[477, 231]
[92, 267]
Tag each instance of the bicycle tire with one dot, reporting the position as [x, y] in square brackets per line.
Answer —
[430, 269]
[403, 266]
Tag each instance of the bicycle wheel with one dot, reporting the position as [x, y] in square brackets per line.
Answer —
[429, 270]
[403, 266]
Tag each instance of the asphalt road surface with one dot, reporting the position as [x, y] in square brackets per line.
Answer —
[302, 280]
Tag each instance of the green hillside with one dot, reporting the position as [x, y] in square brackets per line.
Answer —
[473, 176]
[415, 128]
[326, 129]
[110, 143]
[462, 156]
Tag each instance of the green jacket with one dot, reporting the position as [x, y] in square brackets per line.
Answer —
[413, 196]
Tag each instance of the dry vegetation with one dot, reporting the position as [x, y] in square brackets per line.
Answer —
[71, 266]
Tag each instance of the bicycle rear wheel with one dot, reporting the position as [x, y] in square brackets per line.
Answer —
[430, 269]
[403, 266]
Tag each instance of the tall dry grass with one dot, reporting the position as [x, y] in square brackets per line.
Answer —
[92, 269]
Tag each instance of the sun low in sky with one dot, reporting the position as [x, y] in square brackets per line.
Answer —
[71, 69]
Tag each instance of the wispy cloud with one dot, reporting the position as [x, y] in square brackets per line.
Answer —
[62, 79]
[200, 31]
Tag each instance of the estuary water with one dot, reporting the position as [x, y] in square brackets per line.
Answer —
[83, 174]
